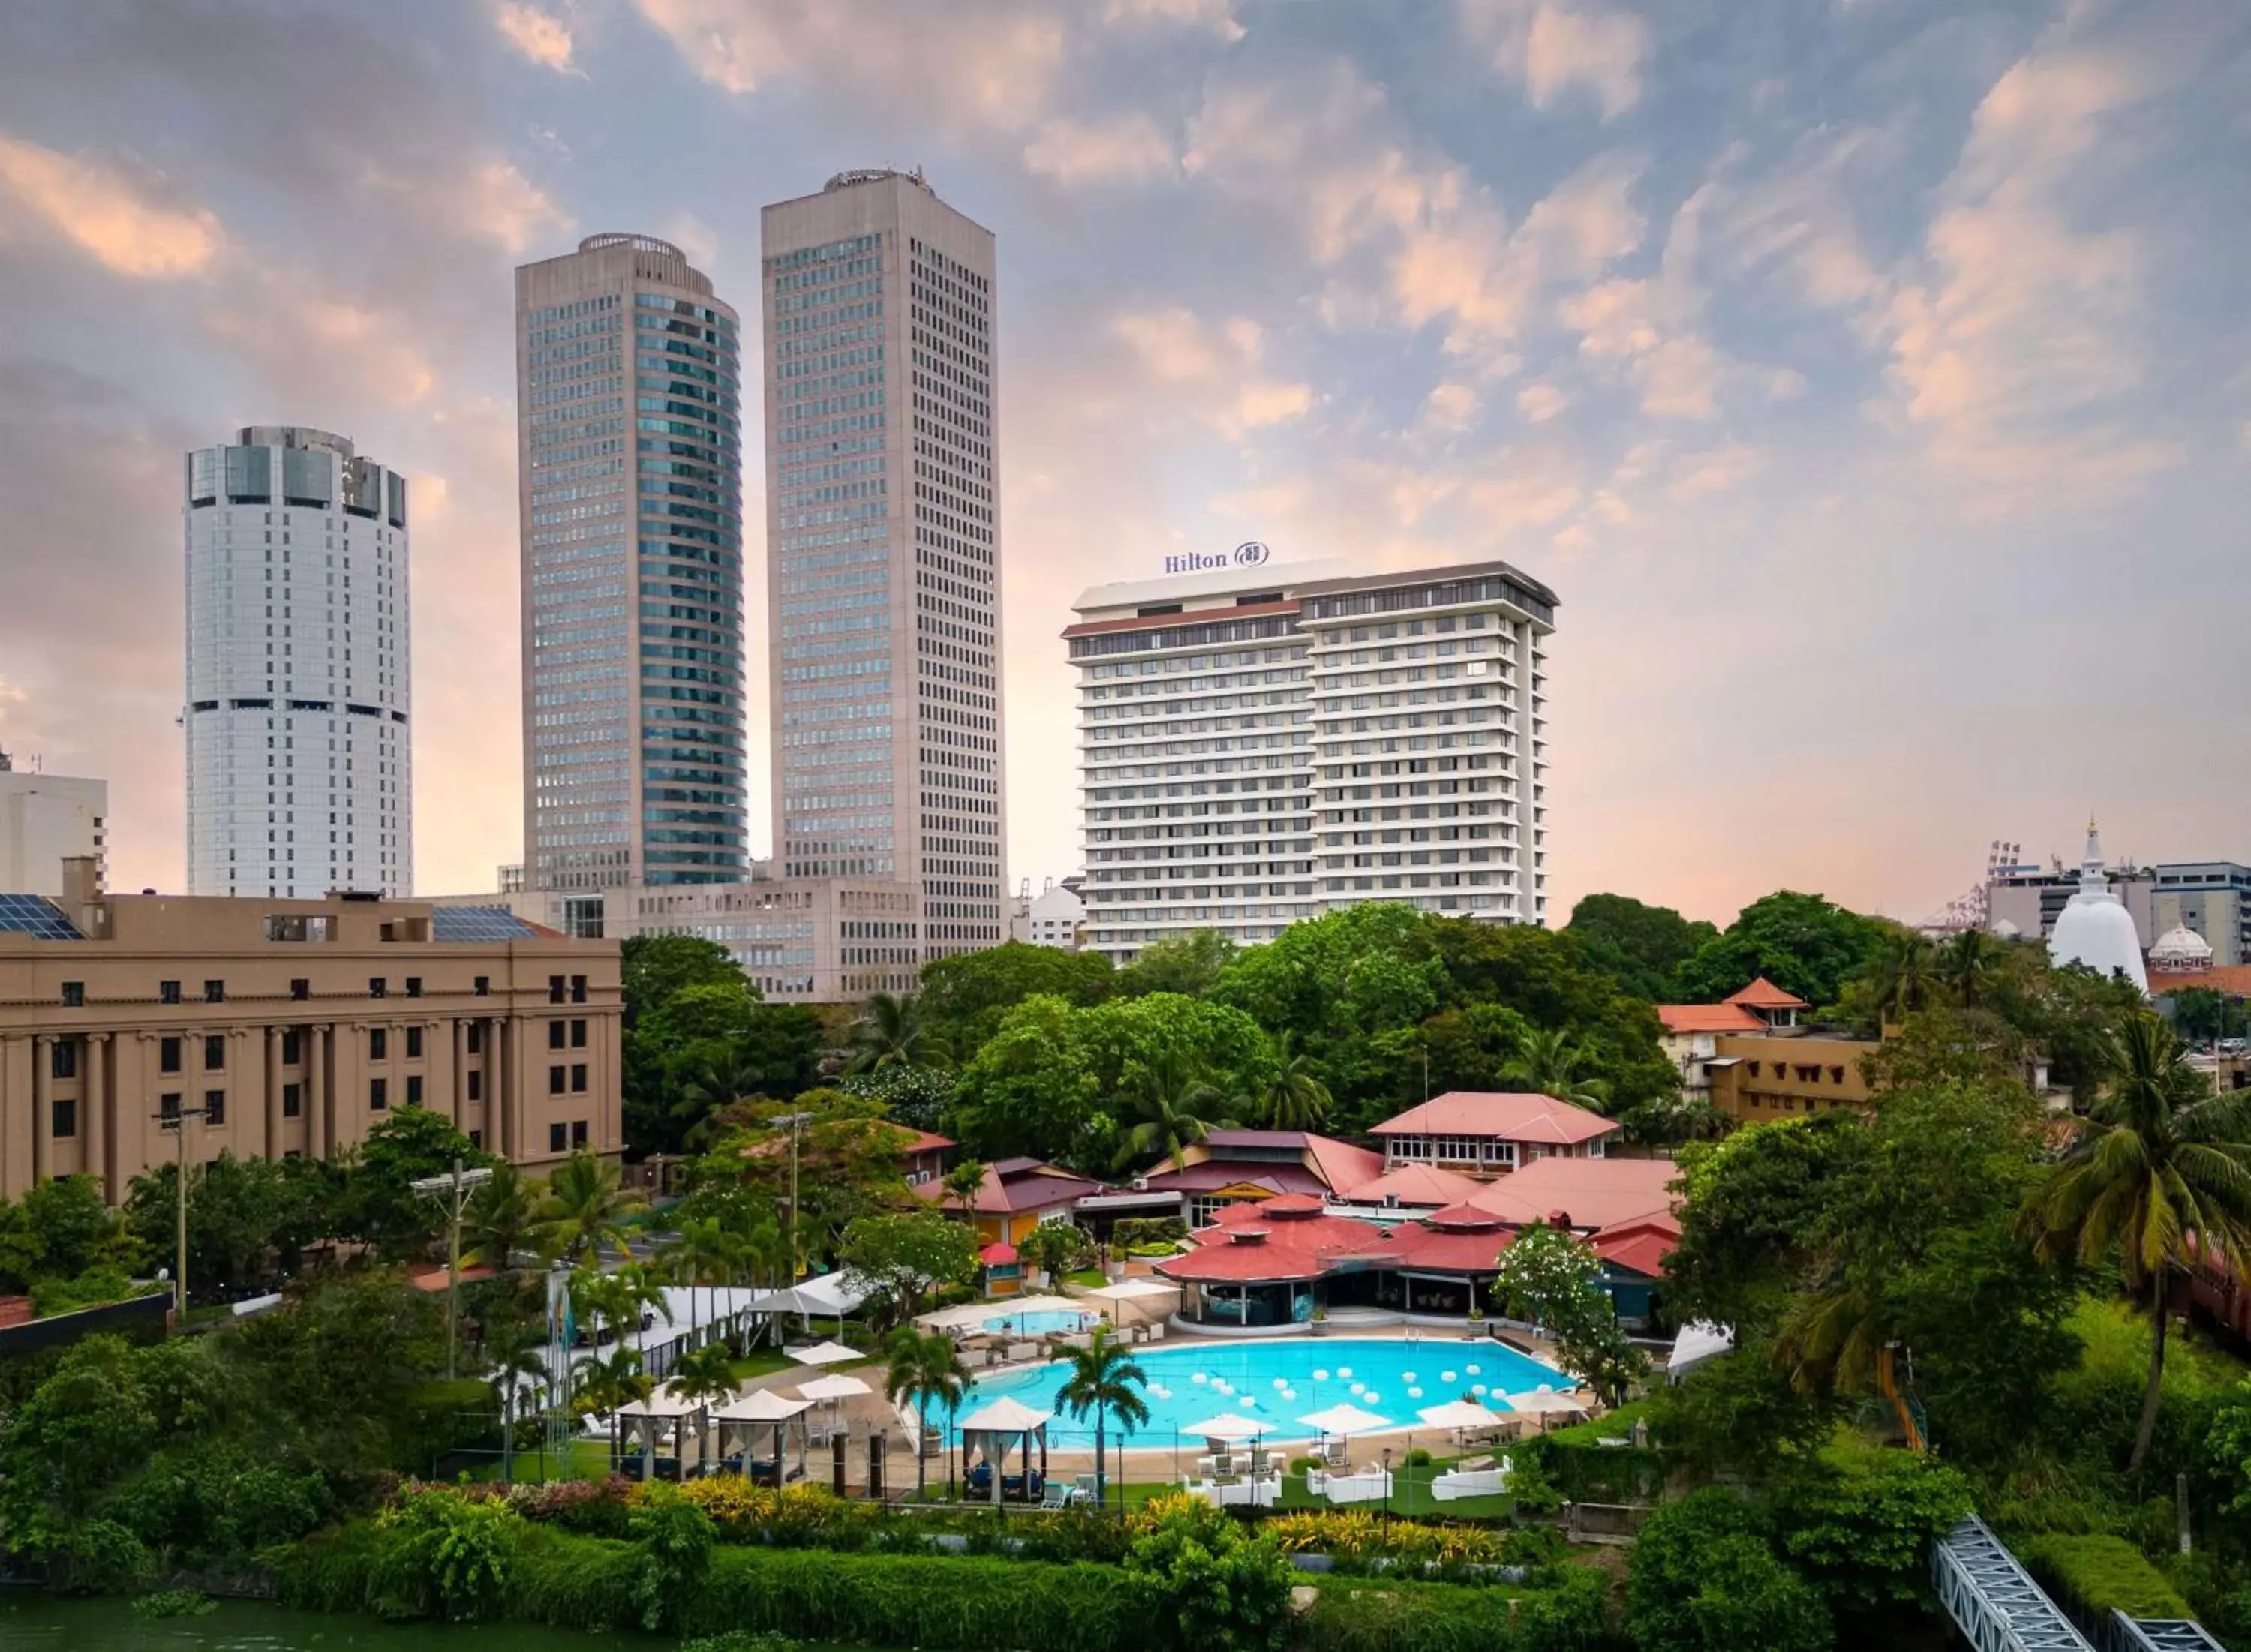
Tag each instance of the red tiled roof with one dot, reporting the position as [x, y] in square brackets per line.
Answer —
[1280, 1239]
[1232, 1172]
[1594, 1193]
[1764, 994]
[997, 1255]
[2232, 979]
[1709, 1017]
[1508, 1116]
[1340, 1164]
[923, 1141]
[1641, 1244]
[1014, 1185]
[1415, 1185]
[435, 1279]
[1442, 1250]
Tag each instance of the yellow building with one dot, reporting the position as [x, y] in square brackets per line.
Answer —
[287, 1027]
[1757, 1076]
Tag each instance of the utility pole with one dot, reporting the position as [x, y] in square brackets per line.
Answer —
[175, 1120]
[796, 1123]
[456, 1185]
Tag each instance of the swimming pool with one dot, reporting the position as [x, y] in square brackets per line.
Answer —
[1282, 1379]
[1041, 1322]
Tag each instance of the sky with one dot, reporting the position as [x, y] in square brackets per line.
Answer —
[1870, 378]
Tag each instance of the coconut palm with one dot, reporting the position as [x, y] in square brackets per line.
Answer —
[1551, 1062]
[1965, 963]
[706, 1254]
[605, 1382]
[515, 1353]
[2160, 1175]
[892, 1032]
[705, 1375]
[963, 1183]
[1294, 1098]
[579, 1217]
[926, 1368]
[1904, 974]
[1172, 1103]
[1103, 1379]
[498, 1220]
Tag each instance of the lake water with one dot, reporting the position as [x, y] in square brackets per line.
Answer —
[31, 1621]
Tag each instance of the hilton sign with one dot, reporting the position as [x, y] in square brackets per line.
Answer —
[1251, 553]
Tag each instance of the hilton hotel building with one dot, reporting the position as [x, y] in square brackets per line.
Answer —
[1261, 743]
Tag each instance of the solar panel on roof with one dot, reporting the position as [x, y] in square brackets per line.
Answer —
[478, 923]
[36, 915]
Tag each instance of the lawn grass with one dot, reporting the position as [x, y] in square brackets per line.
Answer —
[2116, 1349]
[1088, 1278]
[761, 1362]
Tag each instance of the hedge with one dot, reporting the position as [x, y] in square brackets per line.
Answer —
[2095, 1573]
[1365, 1615]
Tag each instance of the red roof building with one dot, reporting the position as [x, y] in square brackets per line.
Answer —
[1016, 1195]
[1682, 1019]
[1290, 1238]
[1769, 1003]
[1231, 1166]
[1593, 1193]
[1422, 1186]
[1486, 1133]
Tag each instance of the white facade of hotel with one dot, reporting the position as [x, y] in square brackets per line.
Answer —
[45, 819]
[298, 690]
[1264, 743]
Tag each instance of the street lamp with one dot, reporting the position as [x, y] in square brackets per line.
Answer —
[175, 1118]
[456, 1185]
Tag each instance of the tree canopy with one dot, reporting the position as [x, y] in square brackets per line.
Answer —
[1804, 944]
[1639, 946]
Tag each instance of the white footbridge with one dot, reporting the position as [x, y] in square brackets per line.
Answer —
[1997, 1606]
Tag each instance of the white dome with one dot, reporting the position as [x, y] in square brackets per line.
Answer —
[2180, 948]
[2093, 929]
[2004, 930]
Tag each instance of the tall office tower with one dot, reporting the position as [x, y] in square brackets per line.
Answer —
[1260, 744]
[300, 757]
[883, 563]
[629, 484]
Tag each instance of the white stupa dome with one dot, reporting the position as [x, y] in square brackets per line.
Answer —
[2181, 951]
[2095, 929]
[2004, 930]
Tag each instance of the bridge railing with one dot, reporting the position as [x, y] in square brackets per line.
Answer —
[1993, 1600]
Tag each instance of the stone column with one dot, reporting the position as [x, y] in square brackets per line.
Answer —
[17, 1055]
[501, 1079]
[43, 1108]
[317, 1091]
[94, 1124]
[273, 1092]
[461, 1076]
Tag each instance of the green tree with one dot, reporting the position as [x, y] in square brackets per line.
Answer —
[1903, 975]
[581, 1214]
[2161, 1168]
[899, 1258]
[965, 995]
[914, 1096]
[1184, 964]
[704, 1253]
[1804, 944]
[1545, 1272]
[1552, 1063]
[892, 1032]
[1965, 963]
[1168, 1101]
[652, 968]
[499, 1219]
[60, 1228]
[1294, 1098]
[1705, 1578]
[963, 1183]
[1032, 1090]
[515, 1355]
[1860, 1520]
[706, 1373]
[1639, 946]
[1219, 1587]
[243, 1215]
[925, 1370]
[1106, 1381]
[379, 1204]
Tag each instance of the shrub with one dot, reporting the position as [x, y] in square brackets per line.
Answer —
[2099, 1574]
[1359, 1616]
[1417, 1458]
[676, 1539]
[1704, 1579]
[1860, 1520]
[1149, 1230]
[445, 1553]
[592, 1508]
[1218, 1586]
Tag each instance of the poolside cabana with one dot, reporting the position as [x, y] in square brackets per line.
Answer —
[1142, 1293]
[1544, 1403]
[991, 1428]
[643, 1420]
[755, 1408]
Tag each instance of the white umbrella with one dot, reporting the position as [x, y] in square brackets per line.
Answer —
[835, 1388]
[1004, 1415]
[1345, 1420]
[1699, 1340]
[1228, 1427]
[760, 1405]
[1132, 1289]
[1458, 1413]
[825, 1353]
[1543, 1401]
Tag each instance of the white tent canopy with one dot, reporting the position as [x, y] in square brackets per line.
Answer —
[1228, 1426]
[1005, 1416]
[972, 1316]
[835, 1388]
[1458, 1413]
[665, 1404]
[1345, 1420]
[1699, 1340]
[829, 1296]
[1135, 1289]
[825, 1353]
[760, 1405]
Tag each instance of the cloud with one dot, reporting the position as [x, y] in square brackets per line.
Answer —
[117, 218]
[1210, 17]
[538, 35]
[1556, 49]
[489, 197]
[1451, 404]
[1215, 368]
[1540, 402]
[1125, 149]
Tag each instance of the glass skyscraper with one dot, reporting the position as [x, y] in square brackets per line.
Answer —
[629, 456]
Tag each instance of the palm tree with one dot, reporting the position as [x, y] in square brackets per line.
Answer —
[891, 1033]
[606, 1384]
[579, 1217]
[963, 1183]
[705, 1373]
[1103, 1379]
[926, 1368]
[1965, 963]
[1904, 974]
[2160, 1175]
[704, 1253]
[1294, 1098]
[1551, 1062]
[515, 1352]
[1171, 1102]
[498, 1219]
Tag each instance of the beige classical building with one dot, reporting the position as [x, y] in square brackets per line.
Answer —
[289, 1027]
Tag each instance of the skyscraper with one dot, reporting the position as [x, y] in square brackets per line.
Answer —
[882, 565]
[1259, 744]
[629, 478]
[299, 688]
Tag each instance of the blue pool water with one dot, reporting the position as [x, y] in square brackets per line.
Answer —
[1043, 1321]
[1281, 1381]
